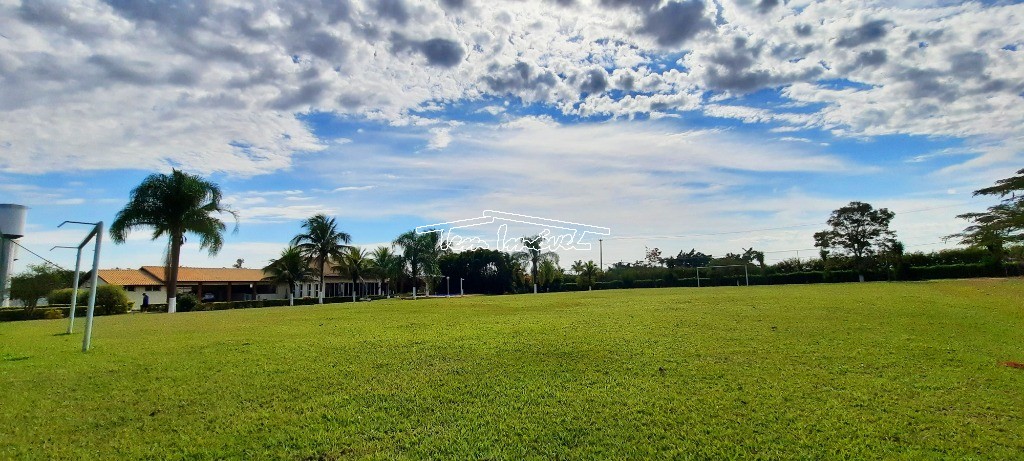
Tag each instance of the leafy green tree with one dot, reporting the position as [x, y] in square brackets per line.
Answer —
[37, 282]
[1001, 224]
[484, 270]
[321, 243]
[173, 205]
[533, 256]
[892, 253]
[291, 268]
[354, 262]
[420, 252]
[387, 265]
[857, 229]
[750, 255]
[693, 258]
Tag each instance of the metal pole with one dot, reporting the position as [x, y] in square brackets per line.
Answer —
[74, 291]
[698, 276]
[461, 291]
[746, 274]
[600, 245]
[92, 288]
[448, 283]
[3, 269]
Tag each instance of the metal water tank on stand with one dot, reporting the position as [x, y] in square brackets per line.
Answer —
[12, 227]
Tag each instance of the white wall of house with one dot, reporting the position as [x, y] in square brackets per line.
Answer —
[157, 293]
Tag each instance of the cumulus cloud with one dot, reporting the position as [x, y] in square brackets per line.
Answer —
[124, 84]
[676, 22]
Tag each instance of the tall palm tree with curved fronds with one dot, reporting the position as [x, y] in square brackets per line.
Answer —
[174, 204]
[421, 251]
[321, 242]
[354, 262]
[290, 268]
[387, 265]
[588, 272]
[534, 256]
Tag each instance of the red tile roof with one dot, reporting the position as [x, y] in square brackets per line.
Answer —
[209, 274]
[126, 277]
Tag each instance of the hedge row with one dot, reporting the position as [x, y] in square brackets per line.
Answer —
[228, 305]
[44, 313]
[844, 276]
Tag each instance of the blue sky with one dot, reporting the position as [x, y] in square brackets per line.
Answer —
[695, 119]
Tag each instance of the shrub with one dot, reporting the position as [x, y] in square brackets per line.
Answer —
[188, 302]
[63, 296]
[155, 308]
[110, 300]
[51, 314]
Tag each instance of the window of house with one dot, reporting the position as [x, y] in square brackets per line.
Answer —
[129, 288]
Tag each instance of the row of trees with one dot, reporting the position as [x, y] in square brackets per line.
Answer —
[178, 204]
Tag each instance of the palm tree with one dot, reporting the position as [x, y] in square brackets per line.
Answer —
[548, 273]
[533, 256]
[321, 242]
[174, 204]
[588, 273]
[355, 263]
[387, 265]
[577, 267]
[420, 250]
[291, 268]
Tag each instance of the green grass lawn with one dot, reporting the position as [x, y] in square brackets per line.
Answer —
[880, 370]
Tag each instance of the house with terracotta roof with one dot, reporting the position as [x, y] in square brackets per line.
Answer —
[224, 284]
[207, 283]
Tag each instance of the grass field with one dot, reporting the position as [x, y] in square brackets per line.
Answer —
[880, 370]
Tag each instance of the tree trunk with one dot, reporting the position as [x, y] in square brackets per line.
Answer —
[323, 262]
[172, 273]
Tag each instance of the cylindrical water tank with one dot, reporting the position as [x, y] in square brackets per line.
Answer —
[12, 220]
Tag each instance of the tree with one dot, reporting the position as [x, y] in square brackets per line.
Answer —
[238, 263]
[652, 256]
[387, 265]
[37, 282]
[587, 274]
[174, 204]
[321, 242]
[549, 273]
[692, 259]
[420, 252]
[484, 270]
[533, 256]
[1002, 223]
[751, 255]
[355, 263]
[290, 268]
[856, 229]
[894, 252]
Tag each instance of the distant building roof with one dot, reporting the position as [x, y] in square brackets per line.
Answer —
[125, 277]
[208, 274]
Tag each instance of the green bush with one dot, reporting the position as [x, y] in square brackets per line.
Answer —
[12, 315]
[52, 314]
[110, 300]
[63, 296]
[155, 308]
[188, 302]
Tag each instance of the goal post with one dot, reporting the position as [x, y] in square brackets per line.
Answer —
[746, 272]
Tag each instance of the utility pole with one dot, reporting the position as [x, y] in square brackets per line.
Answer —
[600, 246]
